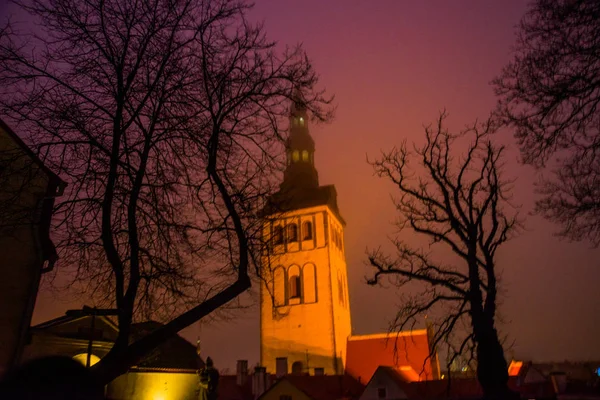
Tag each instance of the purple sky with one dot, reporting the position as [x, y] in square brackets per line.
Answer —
[393, 65]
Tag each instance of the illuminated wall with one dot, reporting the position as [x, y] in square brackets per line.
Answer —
[138, 385]
[310, 328]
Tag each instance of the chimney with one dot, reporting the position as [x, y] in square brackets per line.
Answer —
[241, 372]
[281, 366]
[559, 382]
[259, 382]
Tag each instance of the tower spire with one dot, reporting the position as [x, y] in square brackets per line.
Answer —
[300, 172]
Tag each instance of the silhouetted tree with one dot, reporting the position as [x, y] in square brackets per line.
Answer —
[550, 94]
[458, 203]
[164, 119]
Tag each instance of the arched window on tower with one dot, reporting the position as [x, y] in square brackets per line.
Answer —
[301, 121]
[292, 233]
[295, 287]
[304, 155]
[307, 230]
[277, 235]
[296, 156]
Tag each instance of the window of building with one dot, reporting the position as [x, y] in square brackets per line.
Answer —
[307, 230]
[304, 155]
[292, 233]
[296, 156]
[319, 371]
[297, 368]
[278, 235]
[381, 393]
[285, 397]
[301, 121]
[295, 286]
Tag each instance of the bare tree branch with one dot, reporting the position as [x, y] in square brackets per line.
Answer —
[458, 203]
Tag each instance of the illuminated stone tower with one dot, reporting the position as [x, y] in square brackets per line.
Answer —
[305, 310]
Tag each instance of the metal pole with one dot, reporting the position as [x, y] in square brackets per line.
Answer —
[91, 343]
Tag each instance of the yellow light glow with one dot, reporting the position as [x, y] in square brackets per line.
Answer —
[154, 386]
[82, 358]
[409, 373]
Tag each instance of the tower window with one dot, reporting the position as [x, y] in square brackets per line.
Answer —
[381, 393]
[304, 155]
[295, 286]
[278, 235]
[301, 121]
[307, 231]
[296, 156]
[292, 233]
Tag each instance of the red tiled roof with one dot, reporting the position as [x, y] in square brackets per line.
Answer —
[470, 389]
[327, 387]
[365, 353]
[229, 389]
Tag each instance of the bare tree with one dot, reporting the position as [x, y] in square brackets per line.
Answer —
[550, 94]
[458, 203]
[164, 119]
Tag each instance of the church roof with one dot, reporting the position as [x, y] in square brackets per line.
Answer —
[365, 353]
[292, 200]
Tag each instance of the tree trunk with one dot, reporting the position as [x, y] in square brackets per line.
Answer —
[492, 370]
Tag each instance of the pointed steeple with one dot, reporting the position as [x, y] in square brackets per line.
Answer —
[300, 172]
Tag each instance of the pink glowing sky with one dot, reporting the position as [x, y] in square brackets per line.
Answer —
[392, 66]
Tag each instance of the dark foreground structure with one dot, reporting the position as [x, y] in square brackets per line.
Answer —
[51, 378]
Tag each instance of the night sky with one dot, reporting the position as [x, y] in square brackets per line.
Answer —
[393, 65]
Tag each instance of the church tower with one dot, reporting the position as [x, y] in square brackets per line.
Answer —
[304, 309]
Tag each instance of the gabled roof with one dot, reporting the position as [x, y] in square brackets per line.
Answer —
[73, 316]
[174, 354]
[30, 153]
[365, 353]
[398, 375]
[324, 387]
